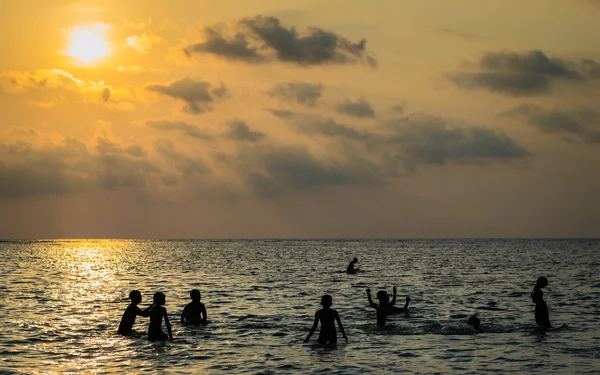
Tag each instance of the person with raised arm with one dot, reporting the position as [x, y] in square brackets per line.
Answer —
[385, 306]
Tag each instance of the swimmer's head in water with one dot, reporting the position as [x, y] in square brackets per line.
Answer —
[355, 260]
[159, 298]
[474, 321]
[195, 295]
[541, 282]
[326, 300]
[383, 297]
[135, 296]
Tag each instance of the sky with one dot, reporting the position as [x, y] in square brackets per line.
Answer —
[299, 119]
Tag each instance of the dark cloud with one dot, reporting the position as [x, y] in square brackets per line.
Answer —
[429, 140]
[281, 170]
[418, 139]
[397, 108]
[181, 127]
[199, 95]
[236, 47]
[526, 73]
[360, 108]
[239, 131]
[260, 39]
[300, 92]
[572, 125]
[187, 166]
[71, 167]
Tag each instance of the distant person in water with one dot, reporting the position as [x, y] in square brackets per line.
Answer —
[157, 313]
[541, 309]
[475, 323]
[351, 269]
[385, 306]
[194, 313]
[328, 317]
[131, 312]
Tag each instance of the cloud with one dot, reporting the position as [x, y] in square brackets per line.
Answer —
[70, 166]
[261, 39]
[239, 131]
[91, 91]
[519, 74]
[187, 166]
[397, 108]
[360, 108]
[300, 92]
[281, 170]
[418, 139]
[572, 125]
[199, 95]
[426, 139]
[182, 127]
[144, 42]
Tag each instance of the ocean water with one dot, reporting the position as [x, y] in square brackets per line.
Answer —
[61, 303]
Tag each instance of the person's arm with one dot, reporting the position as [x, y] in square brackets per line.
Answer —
[406, 303]
[168, 324]
[145, 312]
[339, 322]
[203, 314]
[373, 304]
[393, 297]
[183, 315]
[314, 327]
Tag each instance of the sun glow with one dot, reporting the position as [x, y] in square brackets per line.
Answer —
[88, 43]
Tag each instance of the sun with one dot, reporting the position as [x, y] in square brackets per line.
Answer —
[88, 43]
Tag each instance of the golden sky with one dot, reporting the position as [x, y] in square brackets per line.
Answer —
[277, 118]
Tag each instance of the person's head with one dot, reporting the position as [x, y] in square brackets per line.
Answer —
[135, 296]
[541, 282]
[326, 300]
[383, 297]
[159, 298]
[195, 295]
[474, 321]
[355, 260]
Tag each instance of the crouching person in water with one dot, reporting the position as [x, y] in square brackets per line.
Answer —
[194, 313]
[385, 306]
[157, 313]
[475, 323]
[328, 317]
[131, 312]
[542, 317]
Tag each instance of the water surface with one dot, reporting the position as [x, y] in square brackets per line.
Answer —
[62, 302]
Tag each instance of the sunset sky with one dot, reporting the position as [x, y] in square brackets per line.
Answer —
[277, 118]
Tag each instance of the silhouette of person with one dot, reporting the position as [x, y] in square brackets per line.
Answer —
[541, 309]
[157, 313]
[328, 317]
[351, 269]
[475, 323]
[194, 313]
[128, 319]
[385, 306]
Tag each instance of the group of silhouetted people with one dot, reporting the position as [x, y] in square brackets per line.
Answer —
[194, 312]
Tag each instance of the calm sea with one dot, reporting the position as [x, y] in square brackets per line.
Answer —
[61, 303]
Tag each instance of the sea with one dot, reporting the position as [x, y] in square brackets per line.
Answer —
[61, 302]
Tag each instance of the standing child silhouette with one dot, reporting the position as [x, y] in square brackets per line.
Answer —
[157, 313]
[131, 312]
[542, 317]
[194, 313]
[328, 317]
